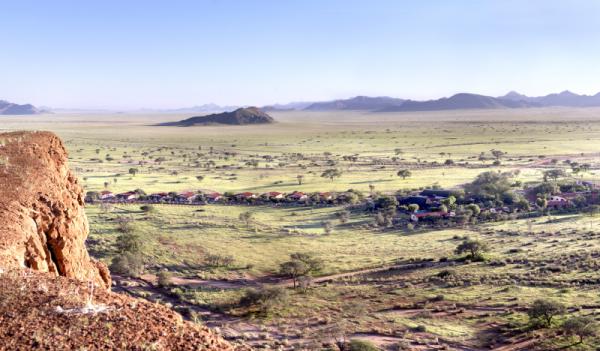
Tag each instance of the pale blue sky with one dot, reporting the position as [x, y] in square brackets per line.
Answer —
[166, 54]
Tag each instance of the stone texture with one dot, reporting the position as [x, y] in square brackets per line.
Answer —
[44, 226]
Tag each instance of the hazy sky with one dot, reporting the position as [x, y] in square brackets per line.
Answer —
[163, 54]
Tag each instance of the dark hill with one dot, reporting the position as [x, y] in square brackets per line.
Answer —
[241, 116]
[8, 108]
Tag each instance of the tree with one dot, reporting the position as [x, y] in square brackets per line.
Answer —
[449, 202]
[404, 173]
[343, 216]
[293, 269]
[474, 248]
[300, 265]
[489, 186]
[474, 208]
[327, 227]
[554, 174]
[300, 179]
[580, 326]
[541, 202]
[200, 178]
[592, 211]
[331, 174]
[543, 311]
[497, 154]
[133, 171]
[413, 208]
[246, 218]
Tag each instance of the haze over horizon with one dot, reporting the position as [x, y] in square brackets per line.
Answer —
[138, 54]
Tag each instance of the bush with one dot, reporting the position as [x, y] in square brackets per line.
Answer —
[129, 243]
[128, 264]
[164, 278]
[264, 298]
[219, 260]
[147, 208]
[360, 345]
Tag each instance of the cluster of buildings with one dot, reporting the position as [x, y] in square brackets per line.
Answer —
[198, 197]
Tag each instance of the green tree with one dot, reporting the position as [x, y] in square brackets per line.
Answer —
[331, 174]
[554, 174]
[247, 218]
[474, 248]
[300, 265]
[133, 171]
[404, 173]
[581, 327]
[543, 311]
[592, 211]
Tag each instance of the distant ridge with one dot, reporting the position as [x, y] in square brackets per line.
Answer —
[359, 103]
[9, 108]
[241, 116]
[459, 102]
[565, 98]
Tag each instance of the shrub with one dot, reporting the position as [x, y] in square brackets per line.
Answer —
[264, 298]
[147, 208]
[361, 345]
[219, 260]
[128, 264]
[164, 278]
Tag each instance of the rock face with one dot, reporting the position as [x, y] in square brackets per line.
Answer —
[46, 300]
[41, 209]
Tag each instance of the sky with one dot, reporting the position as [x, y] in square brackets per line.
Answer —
[115, 54]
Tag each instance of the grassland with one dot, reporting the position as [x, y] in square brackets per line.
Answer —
[391, 289]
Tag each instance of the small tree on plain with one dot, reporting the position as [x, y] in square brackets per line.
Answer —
[474, 248]
[404, 173]
[581, 327]
[543, 311]
[331, 174]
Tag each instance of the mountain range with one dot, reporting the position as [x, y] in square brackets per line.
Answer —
[458, 102]
[371, 104]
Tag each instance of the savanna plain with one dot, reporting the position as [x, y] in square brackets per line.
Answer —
[307, 242]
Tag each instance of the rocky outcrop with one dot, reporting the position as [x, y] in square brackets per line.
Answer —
[47, 300]
[44, 226]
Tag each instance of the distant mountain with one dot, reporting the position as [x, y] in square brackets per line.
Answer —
[459, 102]
[359, 103]
[300, 105]
[241, 116]
[8, 108]
[565, 98]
